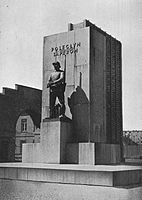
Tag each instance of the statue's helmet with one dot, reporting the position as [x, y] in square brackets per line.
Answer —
[56, 64]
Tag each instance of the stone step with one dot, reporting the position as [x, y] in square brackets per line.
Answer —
[98, 175]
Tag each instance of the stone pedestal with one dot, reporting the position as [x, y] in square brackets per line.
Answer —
[31, 153]
[69, 182]
[57, 147]
[87, 153]
[55, 134]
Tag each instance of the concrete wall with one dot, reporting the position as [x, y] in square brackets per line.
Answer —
[97, 87]
[105, 87]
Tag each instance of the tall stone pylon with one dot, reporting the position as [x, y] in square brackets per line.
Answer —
[93, 94]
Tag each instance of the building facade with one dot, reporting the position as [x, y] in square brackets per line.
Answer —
[20, 116]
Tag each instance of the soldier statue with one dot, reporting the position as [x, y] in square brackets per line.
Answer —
[56, 84]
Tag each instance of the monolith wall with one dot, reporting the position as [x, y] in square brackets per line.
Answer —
[93, 75]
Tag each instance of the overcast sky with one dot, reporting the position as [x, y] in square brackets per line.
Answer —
[24, 23]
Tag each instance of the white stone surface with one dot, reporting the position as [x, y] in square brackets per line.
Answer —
[87, 153]
[55, 135]
[73, 174]
[22, 190]
[72, 167]
[32, 153]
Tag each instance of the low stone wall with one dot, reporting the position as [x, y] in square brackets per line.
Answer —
[69, 182]
[132, 151]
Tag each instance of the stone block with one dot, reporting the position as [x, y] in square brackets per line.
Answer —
[103, 175]
[129, 177]
[107, 153]
[87, 153]
[31, 153]
[55, 135]
[72, 153]
[132, 151]
[27, 153]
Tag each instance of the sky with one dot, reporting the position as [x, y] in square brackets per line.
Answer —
[23, 24]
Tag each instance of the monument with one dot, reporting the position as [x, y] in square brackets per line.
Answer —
[89, 61]
[81, 125]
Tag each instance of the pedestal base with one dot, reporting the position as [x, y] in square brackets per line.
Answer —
[55, 134]
[69, 182]
[56, 147]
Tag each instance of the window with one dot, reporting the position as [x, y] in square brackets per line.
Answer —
[23, 125]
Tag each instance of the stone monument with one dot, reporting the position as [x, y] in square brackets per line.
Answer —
[91, 61]
[76, 143]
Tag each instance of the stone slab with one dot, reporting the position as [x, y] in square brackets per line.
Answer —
[87, 153]
[73, 174]
[55, 134]
[31, 152]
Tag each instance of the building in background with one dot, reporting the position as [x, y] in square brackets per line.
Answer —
[26, 132]
[20, 116]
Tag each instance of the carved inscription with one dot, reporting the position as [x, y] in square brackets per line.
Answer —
[65, 49]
